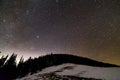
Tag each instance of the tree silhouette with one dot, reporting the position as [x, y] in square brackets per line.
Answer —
[20, 67]
[2, 60]
[8, 70]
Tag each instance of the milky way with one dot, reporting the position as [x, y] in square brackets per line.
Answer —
[89, 28]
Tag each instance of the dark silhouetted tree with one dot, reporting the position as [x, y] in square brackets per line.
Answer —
[20, 67]
[2, 60]
[9, 68]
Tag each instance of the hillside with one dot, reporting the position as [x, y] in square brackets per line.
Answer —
[75, 72]
[9, 70]
[67, 58]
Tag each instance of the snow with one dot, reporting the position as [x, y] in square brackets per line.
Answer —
[80, 71]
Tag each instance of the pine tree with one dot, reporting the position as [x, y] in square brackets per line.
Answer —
[9, 68]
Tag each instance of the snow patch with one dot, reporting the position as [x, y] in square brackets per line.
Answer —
[80, 71]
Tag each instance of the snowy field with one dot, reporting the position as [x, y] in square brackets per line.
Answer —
[78, 72]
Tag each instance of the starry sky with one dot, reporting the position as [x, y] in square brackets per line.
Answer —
[88, 28]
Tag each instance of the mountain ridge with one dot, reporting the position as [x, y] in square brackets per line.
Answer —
[80, 60]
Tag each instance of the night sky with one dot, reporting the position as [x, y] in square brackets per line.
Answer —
[88, 28]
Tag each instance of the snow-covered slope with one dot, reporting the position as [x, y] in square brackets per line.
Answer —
[75, 72]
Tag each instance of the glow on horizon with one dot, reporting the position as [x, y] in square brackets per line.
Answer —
[26, 54]
[22, 54]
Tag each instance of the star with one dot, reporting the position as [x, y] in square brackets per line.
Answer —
[37, 36]
[57, 1]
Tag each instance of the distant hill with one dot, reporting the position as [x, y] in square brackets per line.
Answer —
[68, 58]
